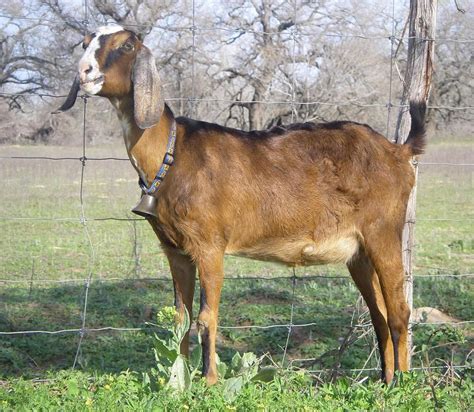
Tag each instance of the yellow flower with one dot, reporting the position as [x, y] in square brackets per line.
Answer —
[166, 316]
[89, 402]
[107, 387]
[185, 407]
[161, 381]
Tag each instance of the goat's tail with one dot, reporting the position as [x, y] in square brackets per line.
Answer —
[417, 137]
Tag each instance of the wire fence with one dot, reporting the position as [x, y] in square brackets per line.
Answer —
[359, 327]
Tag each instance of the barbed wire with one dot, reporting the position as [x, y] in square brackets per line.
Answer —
[89, 279]
[126, 159]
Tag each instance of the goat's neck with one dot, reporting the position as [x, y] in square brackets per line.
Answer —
[145, 148]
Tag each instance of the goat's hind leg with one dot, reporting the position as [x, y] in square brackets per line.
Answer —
[385, 252]
[365, 277]
[183, 271]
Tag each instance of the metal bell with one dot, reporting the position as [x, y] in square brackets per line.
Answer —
[146, 207]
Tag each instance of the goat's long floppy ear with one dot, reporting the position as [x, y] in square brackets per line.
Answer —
[148, 99]
[71, 97]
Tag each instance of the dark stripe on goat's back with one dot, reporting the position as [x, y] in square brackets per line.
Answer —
[196, 126]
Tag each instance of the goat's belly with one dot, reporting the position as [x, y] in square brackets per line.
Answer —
[301, 252]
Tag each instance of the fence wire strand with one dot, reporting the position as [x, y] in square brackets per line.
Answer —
[289, 326]
[228, 279]
[89, 280]
[86, 233]
[268, 102]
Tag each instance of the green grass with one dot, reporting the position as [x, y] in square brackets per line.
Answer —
[133, 303]
[121, 254]
[76, 391]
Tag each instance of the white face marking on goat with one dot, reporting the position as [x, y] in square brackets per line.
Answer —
[92, 79]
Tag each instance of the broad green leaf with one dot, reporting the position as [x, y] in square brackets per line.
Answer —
[265, 374]
[195, 357]
[232, 387]
[164, 352]
[180, 378]
[221, 367]
[236, 362]
[181, 328]
[164, 370]
[249, 359]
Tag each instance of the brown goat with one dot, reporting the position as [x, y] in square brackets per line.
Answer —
[304, 194]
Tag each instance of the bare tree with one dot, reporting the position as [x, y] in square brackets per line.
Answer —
[453, 86]
[247, 63]
[292, 54]
[263, 38]
[23, 69]
[40, 46]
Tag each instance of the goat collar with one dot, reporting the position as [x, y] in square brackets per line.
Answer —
[168, 160]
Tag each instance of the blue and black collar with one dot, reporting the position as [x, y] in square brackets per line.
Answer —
[168, 160]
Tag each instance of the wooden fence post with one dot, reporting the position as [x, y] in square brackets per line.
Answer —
[417, 83]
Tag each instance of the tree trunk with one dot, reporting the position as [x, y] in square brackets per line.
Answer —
[417, 85]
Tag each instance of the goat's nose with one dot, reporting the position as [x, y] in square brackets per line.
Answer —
[85, 70]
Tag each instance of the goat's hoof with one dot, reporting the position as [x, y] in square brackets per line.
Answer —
[387, 376]
[211, 379]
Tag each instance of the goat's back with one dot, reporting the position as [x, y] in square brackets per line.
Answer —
[270, 194]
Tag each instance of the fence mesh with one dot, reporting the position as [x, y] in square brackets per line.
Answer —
[358, 329]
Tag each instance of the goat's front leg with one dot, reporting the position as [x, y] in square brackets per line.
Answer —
[211, 275]
[184, 278]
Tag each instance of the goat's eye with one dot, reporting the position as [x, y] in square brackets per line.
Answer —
[127, 46]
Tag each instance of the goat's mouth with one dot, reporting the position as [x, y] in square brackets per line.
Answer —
[97, 80]
[93, 86]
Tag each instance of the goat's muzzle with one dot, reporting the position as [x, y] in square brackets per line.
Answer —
[146, 207]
